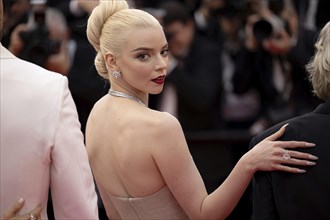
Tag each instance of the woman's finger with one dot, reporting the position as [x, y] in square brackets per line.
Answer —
[277, 134]
[298, 162]
[294, 144]
[301, 155]
[285, 168]
[14, 209]
[35, 213]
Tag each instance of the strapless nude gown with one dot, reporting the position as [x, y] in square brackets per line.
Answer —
[160, 205]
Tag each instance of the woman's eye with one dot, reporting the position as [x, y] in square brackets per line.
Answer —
[143, 57]
[165, 53]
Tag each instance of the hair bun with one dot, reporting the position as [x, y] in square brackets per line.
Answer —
[99, 16]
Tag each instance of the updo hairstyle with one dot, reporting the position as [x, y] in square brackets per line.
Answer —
[319, 66]
[109, 25]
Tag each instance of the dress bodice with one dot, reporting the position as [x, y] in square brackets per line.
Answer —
[160, 205]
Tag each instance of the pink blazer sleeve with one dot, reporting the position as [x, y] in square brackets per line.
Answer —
[72, 185]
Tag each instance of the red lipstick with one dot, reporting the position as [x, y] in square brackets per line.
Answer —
[159, 80]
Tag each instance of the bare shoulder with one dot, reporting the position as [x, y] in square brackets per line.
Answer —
[95, 112]
[165, 122]
[165, 131]
[100, 106]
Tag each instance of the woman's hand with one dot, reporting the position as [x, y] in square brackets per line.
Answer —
[270, 154]
[11, 213]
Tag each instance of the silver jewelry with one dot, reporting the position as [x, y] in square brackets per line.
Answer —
[116, 74]
[32, 217]
[124, 95]
[286, 155]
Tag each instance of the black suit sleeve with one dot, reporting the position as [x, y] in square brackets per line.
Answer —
[264, 207]
[263, 200]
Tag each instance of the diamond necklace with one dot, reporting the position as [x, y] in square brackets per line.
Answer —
[124, 95]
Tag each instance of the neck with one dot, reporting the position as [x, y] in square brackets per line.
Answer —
[127, 96]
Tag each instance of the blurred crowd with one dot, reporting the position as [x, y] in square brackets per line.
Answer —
[235, 64]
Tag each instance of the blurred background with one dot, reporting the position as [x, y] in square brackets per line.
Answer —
[236, 67]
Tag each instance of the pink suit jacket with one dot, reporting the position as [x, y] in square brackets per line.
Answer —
[41, 144]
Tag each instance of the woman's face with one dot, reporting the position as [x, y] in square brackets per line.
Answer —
[143, 60]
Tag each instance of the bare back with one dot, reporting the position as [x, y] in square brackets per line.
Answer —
[119, 142]
[135, 152]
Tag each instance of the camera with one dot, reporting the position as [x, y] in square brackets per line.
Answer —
[263, 29]
[266, 28]
[37, 43]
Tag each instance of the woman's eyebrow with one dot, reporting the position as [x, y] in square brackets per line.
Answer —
[141, 48]
[147, 48]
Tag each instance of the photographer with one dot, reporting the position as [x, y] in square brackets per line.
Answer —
[15, 12]
[273, 27]
[270, 34]
[44, 39]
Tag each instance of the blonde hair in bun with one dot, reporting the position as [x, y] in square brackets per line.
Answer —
[110, 24]
[96, 22]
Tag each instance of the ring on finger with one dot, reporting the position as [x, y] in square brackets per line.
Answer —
[32, 217]
[286, 155]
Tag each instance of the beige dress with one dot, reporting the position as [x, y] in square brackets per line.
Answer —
[160, 205]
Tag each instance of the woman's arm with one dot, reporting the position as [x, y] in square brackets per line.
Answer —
[182, 177]
[266, 156]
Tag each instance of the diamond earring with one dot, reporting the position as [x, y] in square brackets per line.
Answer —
[116, 74]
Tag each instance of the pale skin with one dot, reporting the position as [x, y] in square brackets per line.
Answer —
[135, 151]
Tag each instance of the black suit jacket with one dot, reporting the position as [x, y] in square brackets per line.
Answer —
[198, 83]
[280, 195]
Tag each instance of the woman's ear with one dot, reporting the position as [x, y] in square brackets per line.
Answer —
[110, 60]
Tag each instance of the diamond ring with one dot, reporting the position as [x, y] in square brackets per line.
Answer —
[32, 217]
[286, 155]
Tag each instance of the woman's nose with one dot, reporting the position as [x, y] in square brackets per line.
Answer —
[161, 63]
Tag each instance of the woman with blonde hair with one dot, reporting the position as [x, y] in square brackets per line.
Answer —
[139, 157]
